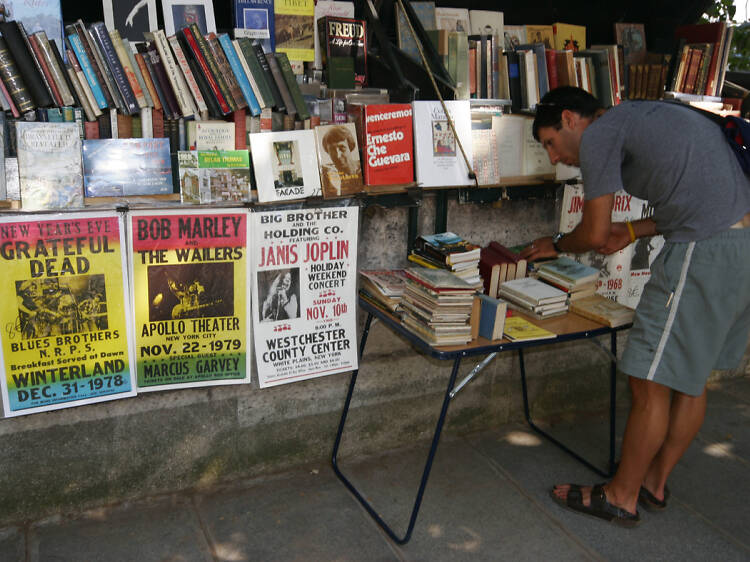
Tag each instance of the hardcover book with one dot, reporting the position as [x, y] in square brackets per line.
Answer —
[569, 37]
[338, 154]
[13, 80]
[16, 40]
[226, 72]
[122, 167]
[187, 72]
[603, 310]
[293, 86]
[49, 165]
[101, 37]
[291, 169]
[345, 38]
[329, 8]
[239, 74]
[439, 161]
[566, 269]
[492, 317]
[254, 19]
[200, 52]
[214, 175]
[256, 70]
[295, 28]
[174, 75]
[387, 143]
[212, 135]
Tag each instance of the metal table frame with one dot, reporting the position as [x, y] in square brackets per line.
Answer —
[455, 354]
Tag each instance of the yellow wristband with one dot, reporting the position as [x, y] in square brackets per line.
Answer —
[631, 231]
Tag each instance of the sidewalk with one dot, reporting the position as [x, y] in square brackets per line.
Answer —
[487, 499]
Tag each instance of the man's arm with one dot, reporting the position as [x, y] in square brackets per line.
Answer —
[592, 233]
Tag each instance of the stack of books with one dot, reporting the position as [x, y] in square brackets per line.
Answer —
[447, 250]
[437, 306]
[571, 276]
[534, 297]
[498, 264]
[382, 287]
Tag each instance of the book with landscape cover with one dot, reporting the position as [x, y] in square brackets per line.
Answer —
[346, 38]
[122, 167]
[214, 175]
[49, 165]
[438, 159]
[254, 19]
[295, 28]
[387, 143]
[338, 156]
[603, 310]
[291, 169]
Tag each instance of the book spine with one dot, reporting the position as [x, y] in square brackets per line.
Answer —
[102, 40]
[58, 77]
[169, 101]
[76, 46]
[8, 103]
[40, 65]
[144, 63]
[102, 72]
[294, 90]
[84, 83]
[179, 55]
[278, 77]
[226, 71]
[138, 71]
[61, 67]
[25, 64]
[248, 73]
[266, 66]
[46, 71]
[203, 85]
[127, 67]
[173, 74]
[13, 81]
[248, 53]
[82, 98]
[209, 67]
[244, 84]
[211, 91]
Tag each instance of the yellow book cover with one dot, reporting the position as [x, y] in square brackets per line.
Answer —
[518, 328]
[541, 34]
[569, 37]
[295, 28]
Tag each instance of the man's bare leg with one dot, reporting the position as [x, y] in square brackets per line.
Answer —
[645, 433]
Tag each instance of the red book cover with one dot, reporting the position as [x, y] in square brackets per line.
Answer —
[91, 129]
[157, 123]
[551, 56]
[388, 148]
[240, 129]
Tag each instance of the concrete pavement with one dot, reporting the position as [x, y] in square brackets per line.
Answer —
[487, 499]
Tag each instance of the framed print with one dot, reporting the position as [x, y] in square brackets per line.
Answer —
[132, 18]
[181, 13]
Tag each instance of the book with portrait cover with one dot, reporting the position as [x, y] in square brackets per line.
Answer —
[295, 28]
[49, 165]
[254, 19]
[121, 167]
[387, 142]
[439, 161]
[291, 165]
[208, 176]
[338, 155]
[344, 37]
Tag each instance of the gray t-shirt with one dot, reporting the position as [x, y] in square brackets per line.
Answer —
[671, 156]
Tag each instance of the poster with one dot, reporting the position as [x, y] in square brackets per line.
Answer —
[622, 274]
[65, 334]
[191, 307]
[304, 265]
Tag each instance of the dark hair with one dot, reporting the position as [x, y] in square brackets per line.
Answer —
[549, 109]
[336, 135]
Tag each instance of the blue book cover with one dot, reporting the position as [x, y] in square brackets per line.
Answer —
[118, 167]
[256, 20]
[39, 15]
[88, 70]
[239, 73]
[492, 317]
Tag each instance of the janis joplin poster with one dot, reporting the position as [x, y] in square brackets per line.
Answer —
[304, 268]
[65, 318]
[191, 304]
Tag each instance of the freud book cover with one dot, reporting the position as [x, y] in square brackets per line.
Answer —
[345, 37]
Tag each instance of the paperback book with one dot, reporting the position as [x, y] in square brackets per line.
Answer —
[210, 176]
[121, 167]
[291, 165]
[49, 165]
[387, 143]
[295, 29]
[338, 154]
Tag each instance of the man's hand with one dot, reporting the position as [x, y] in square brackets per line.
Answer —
[619, 238]
[539, 248]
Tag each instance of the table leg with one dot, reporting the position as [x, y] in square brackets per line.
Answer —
[428, 465]
[612, 401]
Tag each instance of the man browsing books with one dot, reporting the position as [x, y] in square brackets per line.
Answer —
[690, 319]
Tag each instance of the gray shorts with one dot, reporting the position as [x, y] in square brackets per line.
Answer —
[694, 313]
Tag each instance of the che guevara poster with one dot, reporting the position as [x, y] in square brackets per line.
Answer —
[304, 268]
[65, 318]
[190, 275]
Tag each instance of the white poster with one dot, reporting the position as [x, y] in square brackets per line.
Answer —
[304, 264]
